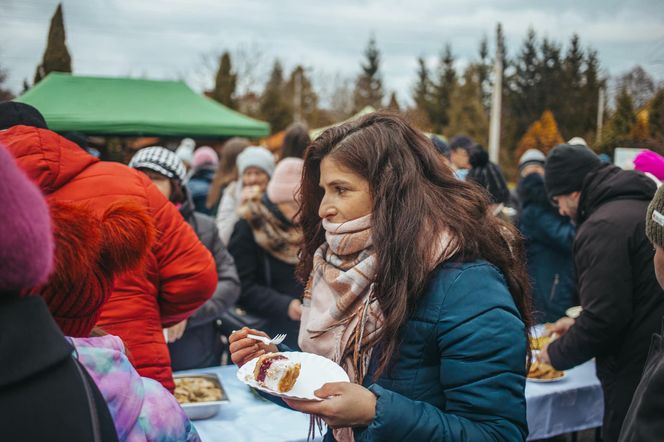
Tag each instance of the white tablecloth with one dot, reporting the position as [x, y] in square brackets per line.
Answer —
[572, 404]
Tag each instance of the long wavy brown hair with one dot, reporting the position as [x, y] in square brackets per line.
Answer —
[415, 198]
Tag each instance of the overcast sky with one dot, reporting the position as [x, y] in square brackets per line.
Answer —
[168, 38]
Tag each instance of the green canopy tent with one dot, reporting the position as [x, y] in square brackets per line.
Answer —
[135, 107]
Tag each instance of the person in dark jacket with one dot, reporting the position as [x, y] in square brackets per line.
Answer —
[491, 179]
[45, 393]
[549, 239]
[644, 422]
[265, 243]
[622, 302]
[203, 168]
[195, 342]
[401, 295]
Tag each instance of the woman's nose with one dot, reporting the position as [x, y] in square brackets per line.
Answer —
[326, 210]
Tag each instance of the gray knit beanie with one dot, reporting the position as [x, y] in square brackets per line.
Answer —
[655, 219]
[255, 156]
[530, 157]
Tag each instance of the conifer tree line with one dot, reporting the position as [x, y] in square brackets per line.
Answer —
[550, 93]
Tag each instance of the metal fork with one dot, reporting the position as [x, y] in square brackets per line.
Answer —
[267, 341]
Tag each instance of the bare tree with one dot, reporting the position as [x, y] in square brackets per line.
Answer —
[639, 84]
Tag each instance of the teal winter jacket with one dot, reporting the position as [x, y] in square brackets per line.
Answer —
[460, 371]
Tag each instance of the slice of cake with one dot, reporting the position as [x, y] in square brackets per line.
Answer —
[276, 372]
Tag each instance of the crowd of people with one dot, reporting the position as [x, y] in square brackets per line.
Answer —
[404, 258]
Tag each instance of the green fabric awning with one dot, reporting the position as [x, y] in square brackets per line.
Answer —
[135, 107]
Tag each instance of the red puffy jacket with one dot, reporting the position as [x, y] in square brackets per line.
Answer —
[180, 274]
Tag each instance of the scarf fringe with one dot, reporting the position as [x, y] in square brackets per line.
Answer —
[315, 421]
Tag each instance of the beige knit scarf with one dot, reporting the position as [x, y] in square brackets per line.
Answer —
[273, 235]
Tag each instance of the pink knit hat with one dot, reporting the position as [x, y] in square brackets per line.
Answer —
[26, 239]
[205, 155]
[649, 161]
[285, 182]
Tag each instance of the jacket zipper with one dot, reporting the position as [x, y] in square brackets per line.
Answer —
[556, 280]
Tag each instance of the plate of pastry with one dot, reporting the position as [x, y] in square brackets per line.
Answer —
[541, 372]
[294, 375]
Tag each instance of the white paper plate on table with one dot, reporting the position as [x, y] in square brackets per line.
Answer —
[546, 381]
[315, 371]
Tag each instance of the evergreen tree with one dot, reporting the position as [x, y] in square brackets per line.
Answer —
[443, 89]
[467, 113]
[589, 100]
[299, 92]
[394, 103]
[225, 82]
[551, 85]
[524, 83]
[656, 118]
[369, 85]
[422, 93]
[273, 106]
[56, 56]
[5, 93]
[618, 131]
[573, 81]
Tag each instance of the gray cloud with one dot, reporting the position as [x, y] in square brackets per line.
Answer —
[165, 39]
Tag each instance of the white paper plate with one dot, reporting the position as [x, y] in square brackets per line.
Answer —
[546, 381]
[315, 371]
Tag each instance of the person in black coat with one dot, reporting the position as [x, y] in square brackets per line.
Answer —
[645, 419]
[201, 344]
[195, 342]
[264, 244]
[45, 393]
[622, 302]
[549, 238]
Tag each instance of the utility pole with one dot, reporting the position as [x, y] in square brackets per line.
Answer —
[297, 97]
[600, 113]
[496, 107]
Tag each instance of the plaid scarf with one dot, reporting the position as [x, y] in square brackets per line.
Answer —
[339, 313]
[277, 237]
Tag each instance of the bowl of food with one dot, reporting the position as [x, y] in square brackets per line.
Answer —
[199, 395]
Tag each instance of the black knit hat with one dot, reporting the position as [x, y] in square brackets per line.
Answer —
[489, 176]
[461, 142]
[655, 219]
[13, 113]
[566, 167]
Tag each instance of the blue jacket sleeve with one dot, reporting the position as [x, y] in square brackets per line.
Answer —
[482, 350]
[555, 231]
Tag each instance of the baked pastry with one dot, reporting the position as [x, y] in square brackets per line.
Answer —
[276, 372]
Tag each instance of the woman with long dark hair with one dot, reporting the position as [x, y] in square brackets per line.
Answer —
[414, 288]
